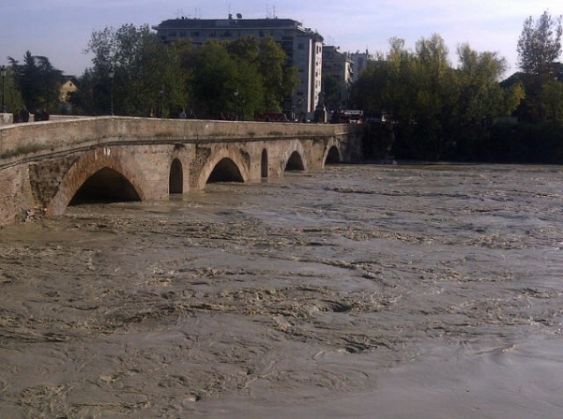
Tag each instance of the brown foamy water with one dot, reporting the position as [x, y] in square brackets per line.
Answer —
[359, 291]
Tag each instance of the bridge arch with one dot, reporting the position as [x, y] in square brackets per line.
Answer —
[94, 171]
[176, 177]
[225, 170]
[332, 154]
[223, 166]
[264, 164]
[106, 185]
[294, 158]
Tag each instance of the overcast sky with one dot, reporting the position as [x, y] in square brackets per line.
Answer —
[60, 29]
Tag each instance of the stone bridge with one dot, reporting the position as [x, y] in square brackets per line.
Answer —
[46, 166]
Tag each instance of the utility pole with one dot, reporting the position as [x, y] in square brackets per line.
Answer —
[111, 76]
[3, 74]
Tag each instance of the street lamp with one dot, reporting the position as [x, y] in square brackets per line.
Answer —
[237, 110]
[111, 75]
[300, 108]
[161, 100]
[3, 74]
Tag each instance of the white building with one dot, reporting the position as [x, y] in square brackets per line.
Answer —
[302, 46]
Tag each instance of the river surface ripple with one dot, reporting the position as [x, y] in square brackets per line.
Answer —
[359, 291]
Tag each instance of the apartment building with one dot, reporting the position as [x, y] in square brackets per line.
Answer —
[360, 61]
[303, 47]
[337, 66]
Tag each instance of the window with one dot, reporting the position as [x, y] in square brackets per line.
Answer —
[300, 45]
[195, 34]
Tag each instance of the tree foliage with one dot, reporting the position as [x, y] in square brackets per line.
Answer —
[223, 86]
[438, 109]
[37, 81]
[332, 95]
[552, 101]
[12, 100]
[219, 79]
[539, 46]
[132, 69]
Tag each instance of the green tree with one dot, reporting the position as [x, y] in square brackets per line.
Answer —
[87, 100]
[552, 101]
[38, 82]
[331, 90]
[147, 76]
[370, 92]
[225, 85]
[539, 46]
[270, 61]
[272, 65]
[481, 97]
[13, 100]
[438, 110]
[214, 81]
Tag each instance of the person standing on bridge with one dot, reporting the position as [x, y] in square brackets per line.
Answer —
[24, 115]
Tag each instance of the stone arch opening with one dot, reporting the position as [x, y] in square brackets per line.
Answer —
[333, 156]
[295, 162]
[104, 186]
[176, 181]
[264, 164]
[225, 170]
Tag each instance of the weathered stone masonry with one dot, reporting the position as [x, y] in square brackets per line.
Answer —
[43, 165]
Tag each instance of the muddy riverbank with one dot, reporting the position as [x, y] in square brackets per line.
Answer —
[359, 291]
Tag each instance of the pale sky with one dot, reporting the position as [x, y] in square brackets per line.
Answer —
[60, 29]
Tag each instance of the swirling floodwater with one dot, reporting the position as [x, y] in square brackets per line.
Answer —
[415, 291]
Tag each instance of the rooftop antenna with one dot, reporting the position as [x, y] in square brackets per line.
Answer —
[229, 9]
[269, 13]
[274, 12]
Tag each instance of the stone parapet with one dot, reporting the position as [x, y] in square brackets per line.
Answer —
[6, 119]
[50, 136]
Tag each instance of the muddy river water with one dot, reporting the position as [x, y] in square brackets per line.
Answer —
[360, 291]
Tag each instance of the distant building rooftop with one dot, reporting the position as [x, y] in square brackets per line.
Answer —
[233, 23]
[228, 23]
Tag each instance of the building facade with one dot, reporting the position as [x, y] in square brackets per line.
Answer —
[360, 61]
[302, 46]
[337, 77]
